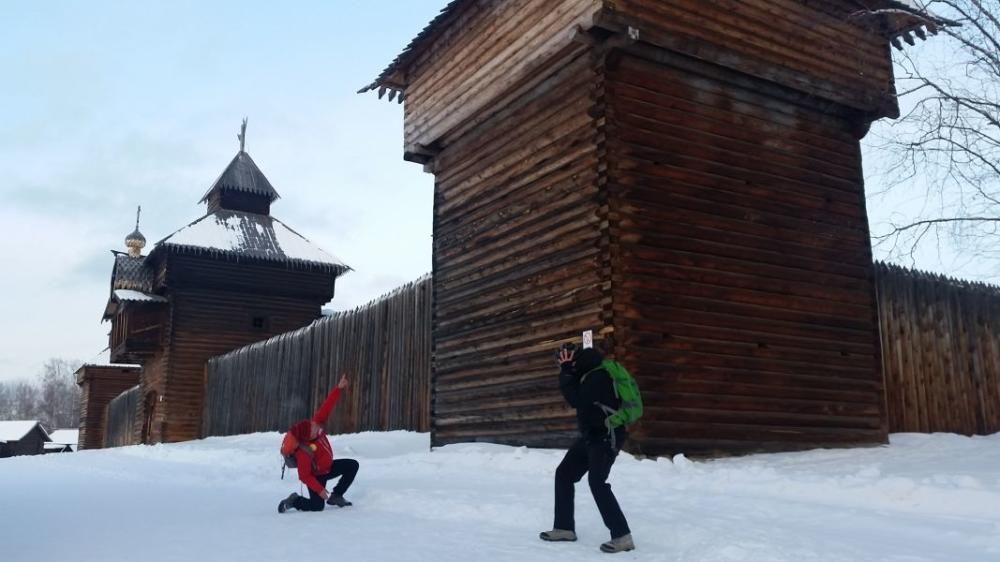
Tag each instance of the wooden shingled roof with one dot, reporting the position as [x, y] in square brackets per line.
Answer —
[899, 20]
[895, 19]
[242, 174]
[129, 273]
[131, 281]
[251, 236]
[389, 80]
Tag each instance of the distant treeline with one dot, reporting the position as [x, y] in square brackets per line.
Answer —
[53, 398]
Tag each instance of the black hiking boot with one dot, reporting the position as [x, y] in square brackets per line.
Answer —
[338, 501]
[287, 503]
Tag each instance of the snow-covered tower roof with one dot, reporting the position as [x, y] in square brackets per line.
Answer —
[239, 224]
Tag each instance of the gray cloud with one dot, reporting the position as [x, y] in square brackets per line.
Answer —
[96, 268]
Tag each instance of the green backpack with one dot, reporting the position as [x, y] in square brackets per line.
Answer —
[627, 391]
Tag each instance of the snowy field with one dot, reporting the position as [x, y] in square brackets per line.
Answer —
[925, 497]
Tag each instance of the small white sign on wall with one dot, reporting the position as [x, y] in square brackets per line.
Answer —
[588, 339]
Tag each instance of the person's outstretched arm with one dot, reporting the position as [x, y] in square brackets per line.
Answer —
[331, 400]
[306, 475]
[568, 382]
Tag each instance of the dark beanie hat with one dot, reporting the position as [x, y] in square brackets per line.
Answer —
[587, 360]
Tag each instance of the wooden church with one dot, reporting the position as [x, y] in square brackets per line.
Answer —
[235, 276]
[682, 177]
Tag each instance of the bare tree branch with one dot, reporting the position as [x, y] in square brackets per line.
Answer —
[947, 141]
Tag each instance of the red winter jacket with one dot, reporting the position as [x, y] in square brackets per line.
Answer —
[322, 457]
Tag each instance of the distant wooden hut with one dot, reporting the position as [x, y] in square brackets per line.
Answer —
[235, 276]
[682, 177]
[23, 437]
[68, 437]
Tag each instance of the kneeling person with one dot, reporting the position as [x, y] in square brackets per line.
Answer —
[315, 463]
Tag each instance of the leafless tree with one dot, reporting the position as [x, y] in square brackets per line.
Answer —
[26, 401]
[53, 399]
[6, 401]
[60, 397]
[946, 145]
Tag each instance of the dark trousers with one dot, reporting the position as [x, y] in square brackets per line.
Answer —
[346, 469]
[595, 460]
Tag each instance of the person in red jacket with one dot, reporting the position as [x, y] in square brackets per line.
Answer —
[315, 462]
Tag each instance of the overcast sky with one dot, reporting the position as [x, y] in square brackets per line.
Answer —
[108, 105]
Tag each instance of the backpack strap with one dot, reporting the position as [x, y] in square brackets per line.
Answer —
[308, 451]
[312, 456]
[608, 410]
[600, 368]
[604, 367]
[583, 376]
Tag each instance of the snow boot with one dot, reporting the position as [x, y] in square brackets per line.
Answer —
[287, 503]
[557, 535]
[338, 501]
[621, 544]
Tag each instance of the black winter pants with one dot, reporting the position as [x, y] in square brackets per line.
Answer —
[346, 469]
[595, 460]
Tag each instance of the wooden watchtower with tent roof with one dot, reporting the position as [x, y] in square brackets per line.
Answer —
[235, 276]
[682, 177]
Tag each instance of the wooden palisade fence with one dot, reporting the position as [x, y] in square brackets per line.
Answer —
[120, 418]
[384, 347]
[941, 352]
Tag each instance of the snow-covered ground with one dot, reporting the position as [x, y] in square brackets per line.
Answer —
[925, 497]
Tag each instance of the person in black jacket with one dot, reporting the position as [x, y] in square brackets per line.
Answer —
[587, 387]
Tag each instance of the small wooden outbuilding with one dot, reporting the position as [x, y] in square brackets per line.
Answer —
[69, 438]
[99, 384]
[22, 437]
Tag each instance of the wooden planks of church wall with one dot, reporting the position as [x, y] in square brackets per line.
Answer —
[217, 307]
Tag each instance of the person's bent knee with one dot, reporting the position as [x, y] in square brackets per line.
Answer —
[567, 475]
[348, 466]
[597, 483]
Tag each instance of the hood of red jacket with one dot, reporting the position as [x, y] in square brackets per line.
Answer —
[302, 430]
